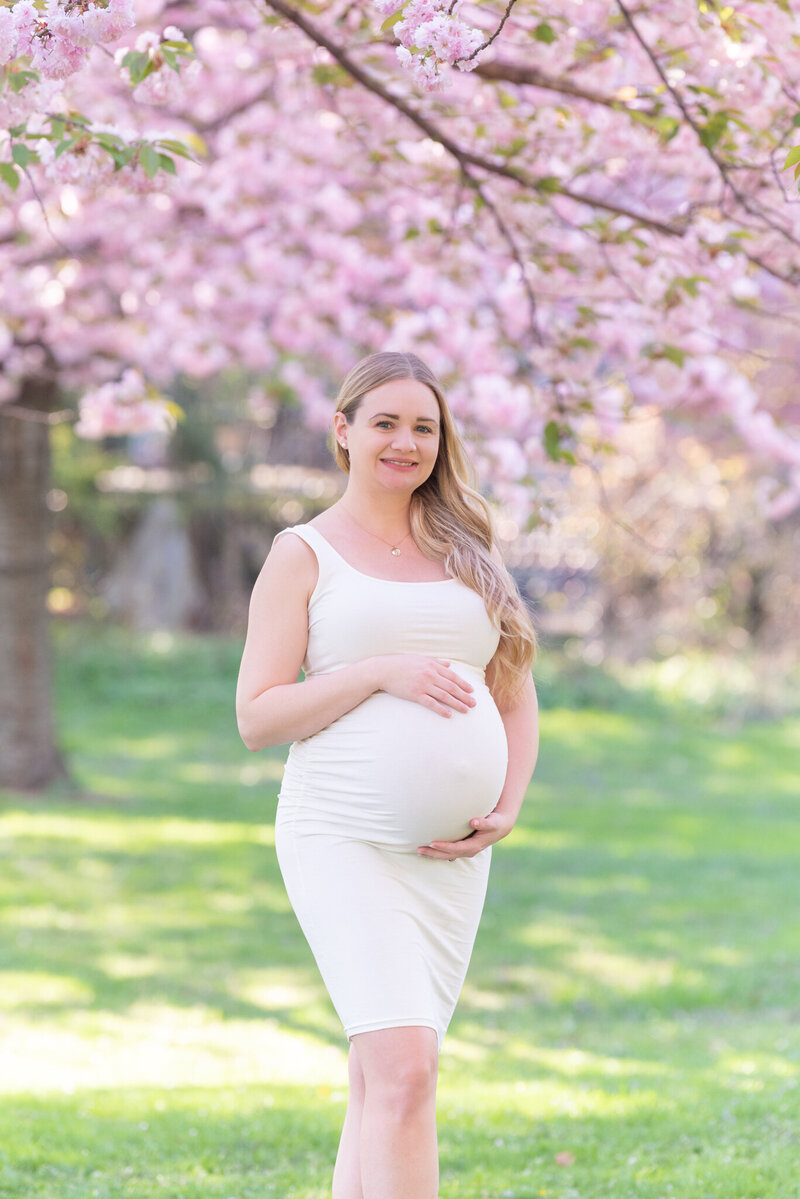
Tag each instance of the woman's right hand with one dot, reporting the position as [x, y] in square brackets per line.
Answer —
[424, 680]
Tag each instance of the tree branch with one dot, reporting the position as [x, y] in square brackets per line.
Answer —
[19, 412]
[464, 157]
[512, 72]
[722, 167]
[489, 40]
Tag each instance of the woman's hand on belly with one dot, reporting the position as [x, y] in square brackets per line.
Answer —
[424, 680]
[486, 830]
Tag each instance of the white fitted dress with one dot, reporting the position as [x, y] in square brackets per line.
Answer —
[391, 931]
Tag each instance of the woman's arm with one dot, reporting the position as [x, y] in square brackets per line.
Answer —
[272, 707]
[521, 723]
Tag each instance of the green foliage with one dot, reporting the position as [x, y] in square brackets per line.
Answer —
[22, 155]
[554, 434]
[149, 158]
[544, 32]
[9, 175]
[665, 350]
[74, 130]
[711, 132]
[139, 65]
[509, 149]
[390, 22]
[332, 73]
[664, 125]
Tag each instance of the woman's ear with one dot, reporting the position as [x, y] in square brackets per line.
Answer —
[340, 427]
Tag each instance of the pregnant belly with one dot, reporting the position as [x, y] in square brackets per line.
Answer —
[395, 772]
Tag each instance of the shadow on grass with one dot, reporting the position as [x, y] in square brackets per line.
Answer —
[631, 998]
[265, 1140]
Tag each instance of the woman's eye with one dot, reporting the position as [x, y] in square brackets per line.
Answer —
[380, 423]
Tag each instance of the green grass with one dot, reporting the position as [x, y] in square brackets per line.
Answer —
[632, 1000]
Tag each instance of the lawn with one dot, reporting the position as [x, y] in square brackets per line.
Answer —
[630, 1025]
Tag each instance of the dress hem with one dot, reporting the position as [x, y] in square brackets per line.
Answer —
[400, 1022]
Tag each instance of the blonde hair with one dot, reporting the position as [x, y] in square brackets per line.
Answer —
[450, 520]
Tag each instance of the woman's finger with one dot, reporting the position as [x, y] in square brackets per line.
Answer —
[455, 849]
[453, 700]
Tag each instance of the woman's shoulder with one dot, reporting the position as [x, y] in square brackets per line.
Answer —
[289, 553]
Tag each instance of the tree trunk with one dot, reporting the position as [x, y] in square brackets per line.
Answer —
[29, 756]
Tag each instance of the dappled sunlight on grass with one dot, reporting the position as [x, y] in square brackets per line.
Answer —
[159, 1045]
[628, 974]
[22, 988]
[127, 965]
[134, 834]
[156, 747]
[521, 837]
[275, 989]
[267, 771]
[630, 1002]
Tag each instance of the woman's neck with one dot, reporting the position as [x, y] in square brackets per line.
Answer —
[381, 513]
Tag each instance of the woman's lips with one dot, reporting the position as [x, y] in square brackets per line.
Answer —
[399, 465]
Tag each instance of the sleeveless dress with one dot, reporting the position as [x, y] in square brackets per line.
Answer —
[391, 931]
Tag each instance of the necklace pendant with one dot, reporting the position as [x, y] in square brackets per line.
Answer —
[395, 550]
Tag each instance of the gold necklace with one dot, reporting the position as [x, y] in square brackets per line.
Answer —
[393, 548]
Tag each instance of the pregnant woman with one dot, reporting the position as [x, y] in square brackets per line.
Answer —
[414, 736]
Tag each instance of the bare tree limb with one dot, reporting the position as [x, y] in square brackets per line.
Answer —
[502, 71]
[19, 412]
[489, 40]
[464, 157]
[722, 167]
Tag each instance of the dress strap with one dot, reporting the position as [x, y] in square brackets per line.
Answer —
[326, 555]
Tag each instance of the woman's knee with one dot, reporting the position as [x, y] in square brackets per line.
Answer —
[399, 1065]
[355, 1074]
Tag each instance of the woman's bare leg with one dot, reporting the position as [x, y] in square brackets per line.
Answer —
[347, 1171]
[399, 1150]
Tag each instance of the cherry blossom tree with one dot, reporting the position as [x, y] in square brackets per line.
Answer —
[579, 213]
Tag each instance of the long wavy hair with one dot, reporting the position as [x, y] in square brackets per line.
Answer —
[450, 520]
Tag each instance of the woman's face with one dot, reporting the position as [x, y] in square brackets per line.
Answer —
[394, 436]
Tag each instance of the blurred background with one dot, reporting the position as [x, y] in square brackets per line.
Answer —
[592, 239]
[658, 559]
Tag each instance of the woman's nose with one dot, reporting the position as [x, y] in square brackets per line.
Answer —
[403, 439]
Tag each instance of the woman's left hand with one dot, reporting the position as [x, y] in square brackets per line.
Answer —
[486, 830]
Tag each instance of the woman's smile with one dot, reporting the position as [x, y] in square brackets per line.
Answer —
[399, 463]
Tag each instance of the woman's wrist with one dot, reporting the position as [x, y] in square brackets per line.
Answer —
[372, 669]
[509, 817]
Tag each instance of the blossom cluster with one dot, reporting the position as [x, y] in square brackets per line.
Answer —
[128, 405]
[41, 47]
[432, 34]
[321, 224]
[57, 37]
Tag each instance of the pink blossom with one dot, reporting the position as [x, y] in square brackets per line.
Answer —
[26, 18]
[320, 224]
[785, 501]
[499, 404]
[56, 56]
[8, 36]
[122, 407]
